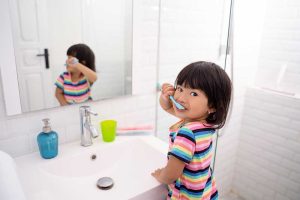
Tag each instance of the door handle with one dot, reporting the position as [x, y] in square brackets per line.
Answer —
[46, 56]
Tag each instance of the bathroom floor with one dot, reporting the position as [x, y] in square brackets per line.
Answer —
[232, 196]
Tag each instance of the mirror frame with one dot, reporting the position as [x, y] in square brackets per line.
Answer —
[9, 77]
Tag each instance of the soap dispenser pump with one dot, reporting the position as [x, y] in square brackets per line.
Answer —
[47, 141]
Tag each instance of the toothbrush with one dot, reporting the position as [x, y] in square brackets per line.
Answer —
[178, 105]
[134, 128]
[74, 61]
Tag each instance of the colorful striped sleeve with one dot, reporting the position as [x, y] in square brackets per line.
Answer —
[60, 82]
[184, 145]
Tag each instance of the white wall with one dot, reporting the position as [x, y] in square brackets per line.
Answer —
[268, 165]
[279, 59]
[18, 133]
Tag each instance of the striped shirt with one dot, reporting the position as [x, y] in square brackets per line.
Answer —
[74, 92]
[192, 144]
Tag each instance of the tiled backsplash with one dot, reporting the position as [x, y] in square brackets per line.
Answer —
[18, 134]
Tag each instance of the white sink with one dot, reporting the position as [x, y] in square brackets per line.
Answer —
[133, 156]
[73, 174]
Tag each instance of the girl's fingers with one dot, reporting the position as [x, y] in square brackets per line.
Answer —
[166, 86]
[155, 172]
[168, 91]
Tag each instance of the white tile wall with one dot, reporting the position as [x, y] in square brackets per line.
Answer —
[268, 165]
[279, 54]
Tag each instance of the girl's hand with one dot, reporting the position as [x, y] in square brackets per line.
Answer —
[156, 174]
[74, 66]
[166, 91]
[72, 62]
[171, 172]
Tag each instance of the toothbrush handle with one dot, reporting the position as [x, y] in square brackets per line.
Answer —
[172, 98]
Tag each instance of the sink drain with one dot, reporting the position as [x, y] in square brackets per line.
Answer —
[105, 183]
[93, 157]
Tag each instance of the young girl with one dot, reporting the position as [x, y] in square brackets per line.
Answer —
[74, 85]
[204, 90]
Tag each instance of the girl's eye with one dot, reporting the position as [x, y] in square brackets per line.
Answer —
[194, 94]
[179, 89]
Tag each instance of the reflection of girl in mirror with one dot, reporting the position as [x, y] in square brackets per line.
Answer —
[74, 85]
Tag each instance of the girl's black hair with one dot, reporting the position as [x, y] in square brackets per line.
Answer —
[214, 82]
[84, 54]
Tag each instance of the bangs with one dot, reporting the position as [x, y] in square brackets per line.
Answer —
[191, 77]
[72, 52]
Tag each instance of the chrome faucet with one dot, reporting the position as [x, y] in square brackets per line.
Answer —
[87, 129]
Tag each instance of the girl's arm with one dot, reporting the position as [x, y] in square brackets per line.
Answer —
[87, 72]
[60, 97]
[171, 172]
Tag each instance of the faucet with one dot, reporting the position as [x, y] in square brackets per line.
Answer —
[87, 129]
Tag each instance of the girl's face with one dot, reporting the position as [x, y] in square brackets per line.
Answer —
[195, 103]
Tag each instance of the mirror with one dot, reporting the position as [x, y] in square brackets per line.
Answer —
[42, 32]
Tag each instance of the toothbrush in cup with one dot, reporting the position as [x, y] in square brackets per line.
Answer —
[178, 105]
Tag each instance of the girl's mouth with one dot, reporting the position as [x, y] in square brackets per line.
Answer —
[179, 110]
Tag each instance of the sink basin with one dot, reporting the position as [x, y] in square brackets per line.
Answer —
[73, 174]
[135, 157]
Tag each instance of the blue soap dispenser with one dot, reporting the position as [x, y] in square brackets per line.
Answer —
[47, 141]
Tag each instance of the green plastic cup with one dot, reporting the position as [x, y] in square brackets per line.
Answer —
[108, 129]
